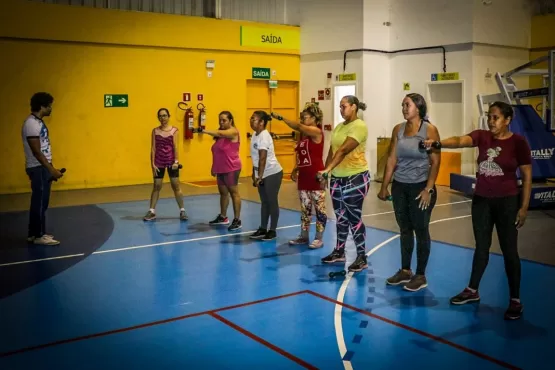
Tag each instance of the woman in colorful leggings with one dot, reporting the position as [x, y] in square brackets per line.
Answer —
[496, 199]
[350, 181]
[309, 152]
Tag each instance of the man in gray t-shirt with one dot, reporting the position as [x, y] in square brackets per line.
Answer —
[38, 165]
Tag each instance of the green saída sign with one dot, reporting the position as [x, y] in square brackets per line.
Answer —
[261, 73]
[116, 101]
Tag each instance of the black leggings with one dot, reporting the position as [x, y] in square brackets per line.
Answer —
[501, 212]
[412, 220]
[269, 191]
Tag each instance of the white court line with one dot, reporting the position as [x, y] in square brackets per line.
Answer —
[181, 241]
[43, 259]
[341, 295]
[144, 246]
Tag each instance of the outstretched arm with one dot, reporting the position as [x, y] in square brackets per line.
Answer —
[229, 133]
[454, 142]
[310, 131]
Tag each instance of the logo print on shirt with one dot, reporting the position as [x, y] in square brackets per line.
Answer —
[489, 167]
[44, 140]
[303, 156]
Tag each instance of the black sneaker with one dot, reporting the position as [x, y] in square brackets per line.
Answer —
[400, 277]
[416, 283]
[359, 264]
[270, 235]
[514, 311]
[150, 216]
[235, 225]
[465, 296]
[259, 234]
[220, 220]
[335, 256]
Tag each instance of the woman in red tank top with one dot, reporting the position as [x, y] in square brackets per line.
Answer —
[310, 159]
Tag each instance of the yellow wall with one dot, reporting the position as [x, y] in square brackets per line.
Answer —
[542, 39]
[78, 54]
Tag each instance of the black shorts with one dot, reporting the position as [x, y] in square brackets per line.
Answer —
[228, 178]
[162, 172]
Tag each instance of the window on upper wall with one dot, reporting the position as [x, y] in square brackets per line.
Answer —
[265, 11]
[197, 8]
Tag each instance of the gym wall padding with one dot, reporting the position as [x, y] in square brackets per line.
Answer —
[78, 54]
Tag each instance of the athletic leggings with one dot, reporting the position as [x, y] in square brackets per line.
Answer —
[316, 198]
[413, 222]
[347, 194]
[501, 212]
[269, 191]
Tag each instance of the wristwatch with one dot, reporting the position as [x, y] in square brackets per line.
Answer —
[431, 190]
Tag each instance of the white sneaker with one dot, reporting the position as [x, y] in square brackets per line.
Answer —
[46, 240]
[316, 244]
[31, 239]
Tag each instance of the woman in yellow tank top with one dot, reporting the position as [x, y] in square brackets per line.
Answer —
[350, 181]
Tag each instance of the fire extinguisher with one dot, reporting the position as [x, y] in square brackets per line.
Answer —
[201, 116]
[188, 121]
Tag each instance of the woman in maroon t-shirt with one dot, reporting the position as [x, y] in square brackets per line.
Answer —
[310, 159]
[496, 199]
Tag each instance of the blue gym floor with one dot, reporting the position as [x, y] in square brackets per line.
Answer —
[121, 293]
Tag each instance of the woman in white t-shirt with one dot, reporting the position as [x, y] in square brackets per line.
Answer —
[267, 174]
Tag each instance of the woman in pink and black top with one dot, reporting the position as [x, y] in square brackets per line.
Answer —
[226, 166]
[164, 155]
[309, 152]
[496, 199]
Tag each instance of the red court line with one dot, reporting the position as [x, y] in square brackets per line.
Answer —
[417, 331]
[141, 326]
[304, 364]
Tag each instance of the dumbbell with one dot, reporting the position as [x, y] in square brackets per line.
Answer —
[324, 176]
[337, 273]
[179, 166]
[435, 144]
[63, 170]
[197, 130]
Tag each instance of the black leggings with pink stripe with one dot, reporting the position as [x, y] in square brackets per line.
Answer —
[347, 194]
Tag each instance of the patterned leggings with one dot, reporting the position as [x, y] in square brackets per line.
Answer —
[347, 194]
[316, 198]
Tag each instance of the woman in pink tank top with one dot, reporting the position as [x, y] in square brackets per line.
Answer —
[226, 166]
[164, 155]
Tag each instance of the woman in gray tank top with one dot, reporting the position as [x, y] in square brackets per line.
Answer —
[414, 171]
